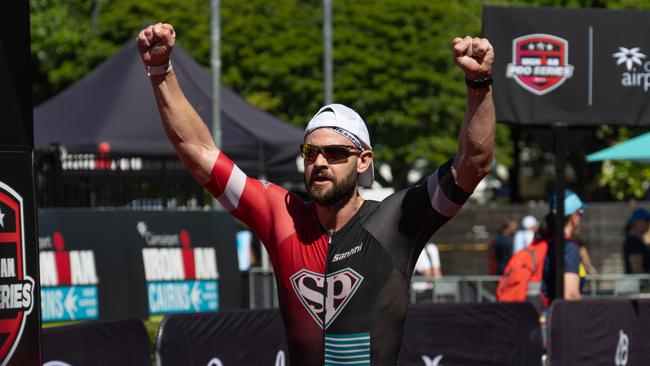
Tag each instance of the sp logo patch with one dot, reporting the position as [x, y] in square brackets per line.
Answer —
[540, 62]
[325, 303]
[16, 287]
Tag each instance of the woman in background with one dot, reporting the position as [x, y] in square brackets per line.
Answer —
[635, 252]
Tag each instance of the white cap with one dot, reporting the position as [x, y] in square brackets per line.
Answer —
[345, 118]
[529, 222]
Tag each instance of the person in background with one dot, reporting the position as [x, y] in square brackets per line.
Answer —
[526, 235]
[503, 244]
[586, 258]
[635, 252]
[428, 263]
[244, 248]
[574, 208]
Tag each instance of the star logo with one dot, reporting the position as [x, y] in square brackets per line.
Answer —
[629, 57]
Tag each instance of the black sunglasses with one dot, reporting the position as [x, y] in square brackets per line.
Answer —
[332, 153]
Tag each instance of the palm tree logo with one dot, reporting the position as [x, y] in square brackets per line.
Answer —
[629, 56]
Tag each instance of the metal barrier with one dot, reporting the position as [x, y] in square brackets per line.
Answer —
[262, 289]
[454, 289]
[466, 289]
[617, 285]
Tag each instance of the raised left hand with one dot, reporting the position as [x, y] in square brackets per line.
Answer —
[474, 56]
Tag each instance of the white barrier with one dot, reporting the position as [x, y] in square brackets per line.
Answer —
[455, 289]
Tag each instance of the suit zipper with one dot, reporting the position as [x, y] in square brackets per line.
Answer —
[329, 244]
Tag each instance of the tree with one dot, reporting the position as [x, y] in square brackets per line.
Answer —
[392, 60]
[392, 63]
[63, 50]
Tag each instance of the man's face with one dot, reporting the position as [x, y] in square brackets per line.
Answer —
[576, 219]
[641, 226]
[329, 183]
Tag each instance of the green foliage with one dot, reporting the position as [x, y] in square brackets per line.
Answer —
[392, 64]
[624, 179]
[63, 50]
[152, 325]
[391, 60]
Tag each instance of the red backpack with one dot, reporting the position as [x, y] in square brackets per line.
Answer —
[522, 277]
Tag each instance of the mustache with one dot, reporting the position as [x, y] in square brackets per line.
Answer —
[321, 173]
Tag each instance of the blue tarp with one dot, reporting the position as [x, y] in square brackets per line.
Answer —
[636, 149]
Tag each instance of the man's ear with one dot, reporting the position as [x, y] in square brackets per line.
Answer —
[363, 163]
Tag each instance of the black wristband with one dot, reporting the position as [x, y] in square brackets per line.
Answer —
[479, 83]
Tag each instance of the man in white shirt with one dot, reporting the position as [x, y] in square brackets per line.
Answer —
[428, 263]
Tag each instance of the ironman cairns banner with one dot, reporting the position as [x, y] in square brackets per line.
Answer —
[577, 67]
[184, 262]
[180, 278]
[101, 264]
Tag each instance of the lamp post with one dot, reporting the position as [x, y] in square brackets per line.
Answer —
[215, 63]
[327, 49]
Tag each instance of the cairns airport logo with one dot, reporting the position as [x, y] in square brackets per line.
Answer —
[180, 278]
[637, 69]
[68, 281]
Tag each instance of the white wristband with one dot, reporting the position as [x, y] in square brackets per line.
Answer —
[160, 69]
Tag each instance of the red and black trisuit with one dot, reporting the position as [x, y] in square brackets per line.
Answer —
[343, 297]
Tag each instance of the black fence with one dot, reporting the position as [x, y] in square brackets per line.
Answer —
[591, 332]
[99, 180]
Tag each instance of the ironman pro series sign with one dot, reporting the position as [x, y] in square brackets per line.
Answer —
[540, 62]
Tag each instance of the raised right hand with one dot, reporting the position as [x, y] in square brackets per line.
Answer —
[155, 44]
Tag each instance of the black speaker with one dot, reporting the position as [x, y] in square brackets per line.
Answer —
[16, 126]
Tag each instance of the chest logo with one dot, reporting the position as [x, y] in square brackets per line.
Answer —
[344, 255]
[325, 298]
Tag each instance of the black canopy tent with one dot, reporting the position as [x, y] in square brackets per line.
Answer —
[114, 104]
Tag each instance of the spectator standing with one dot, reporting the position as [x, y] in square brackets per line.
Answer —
[573, 211]
[635, 252]
[244, 247]
[503, 245]
[428, 263]
[526, 235]
[586, 258]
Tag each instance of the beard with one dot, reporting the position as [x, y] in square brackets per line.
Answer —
[339, 191]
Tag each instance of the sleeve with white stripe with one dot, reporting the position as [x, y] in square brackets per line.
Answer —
[445, 195]
[245, 198]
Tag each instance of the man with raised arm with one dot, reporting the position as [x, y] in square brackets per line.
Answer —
[343, 264]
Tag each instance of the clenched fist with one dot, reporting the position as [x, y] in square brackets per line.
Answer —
[474, 56]
[155, 44]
